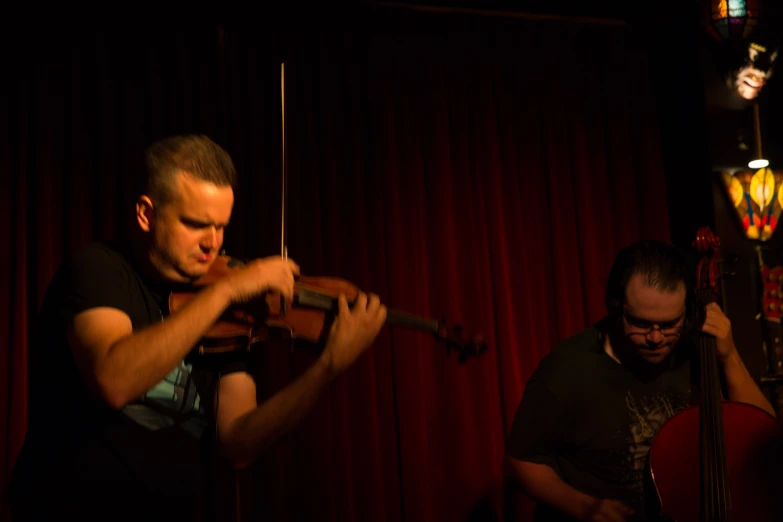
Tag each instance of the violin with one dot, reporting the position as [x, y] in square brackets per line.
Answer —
[310, 315]
[707, 462]
[308, 318]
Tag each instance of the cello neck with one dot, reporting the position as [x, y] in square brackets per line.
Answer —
[715, 494]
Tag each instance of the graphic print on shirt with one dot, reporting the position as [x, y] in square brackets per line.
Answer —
[168, 401]
[646, 416]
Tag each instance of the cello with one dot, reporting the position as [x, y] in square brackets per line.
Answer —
[708, 461]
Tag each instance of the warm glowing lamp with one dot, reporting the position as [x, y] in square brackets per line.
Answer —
[758, 162]
[731, 19]
[756, 200]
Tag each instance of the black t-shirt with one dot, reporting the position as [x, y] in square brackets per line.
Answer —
[592, 420]
[81, 457]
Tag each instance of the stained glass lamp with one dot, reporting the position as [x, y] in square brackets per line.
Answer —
[756, 198]
[731, 19]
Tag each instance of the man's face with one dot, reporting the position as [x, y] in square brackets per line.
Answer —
[754, 73]
[652, 319]
[187, 232]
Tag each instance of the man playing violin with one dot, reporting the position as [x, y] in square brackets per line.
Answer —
[118, 399]
[583, 429]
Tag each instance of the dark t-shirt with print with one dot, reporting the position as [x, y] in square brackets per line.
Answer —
[144, 461]
[592, 420]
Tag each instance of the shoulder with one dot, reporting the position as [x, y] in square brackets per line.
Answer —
[580, 342]
[94, 275]
[570, 358]
[98, 252]
[581, 346]
[95, 261]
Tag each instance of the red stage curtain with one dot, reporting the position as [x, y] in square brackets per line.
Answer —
[482, 169]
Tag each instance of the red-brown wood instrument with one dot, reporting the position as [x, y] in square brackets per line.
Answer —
[709, 462]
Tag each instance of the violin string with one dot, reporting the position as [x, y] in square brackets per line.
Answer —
[315, 300]
[327, 302]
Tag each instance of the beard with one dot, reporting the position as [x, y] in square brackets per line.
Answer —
[632, 356]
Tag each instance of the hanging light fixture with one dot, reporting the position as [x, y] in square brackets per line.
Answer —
[755, 198]
[731, 19]
[759, 162]
[756, 195]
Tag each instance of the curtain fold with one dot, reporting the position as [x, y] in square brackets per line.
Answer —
[478, 170]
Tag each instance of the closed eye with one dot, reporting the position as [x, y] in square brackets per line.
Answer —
[196, 224]
[643, 323]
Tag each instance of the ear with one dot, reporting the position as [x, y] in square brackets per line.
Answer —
[145, 213]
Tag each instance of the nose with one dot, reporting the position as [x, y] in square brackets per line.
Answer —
[210, 241]
[655, 336]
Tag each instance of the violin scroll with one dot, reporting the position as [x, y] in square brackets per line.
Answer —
[454, 339]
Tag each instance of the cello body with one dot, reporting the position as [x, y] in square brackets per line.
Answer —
[750, 434]
[714, 462]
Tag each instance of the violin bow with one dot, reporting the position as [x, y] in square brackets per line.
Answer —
[284, 180]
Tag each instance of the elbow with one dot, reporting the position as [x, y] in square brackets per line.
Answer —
[238, 456]
[113, 399]
[110, 393]
[509, 469]
[513, 470]
[523, 473]
[236, 459]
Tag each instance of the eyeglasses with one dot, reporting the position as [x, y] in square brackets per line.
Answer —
[646, 327]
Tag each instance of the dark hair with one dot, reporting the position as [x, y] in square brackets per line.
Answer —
[663, 266]
[196, 155]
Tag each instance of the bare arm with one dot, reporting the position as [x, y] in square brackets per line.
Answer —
[543, 484]
[246, 430]
[741, 385]
[119, 365]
